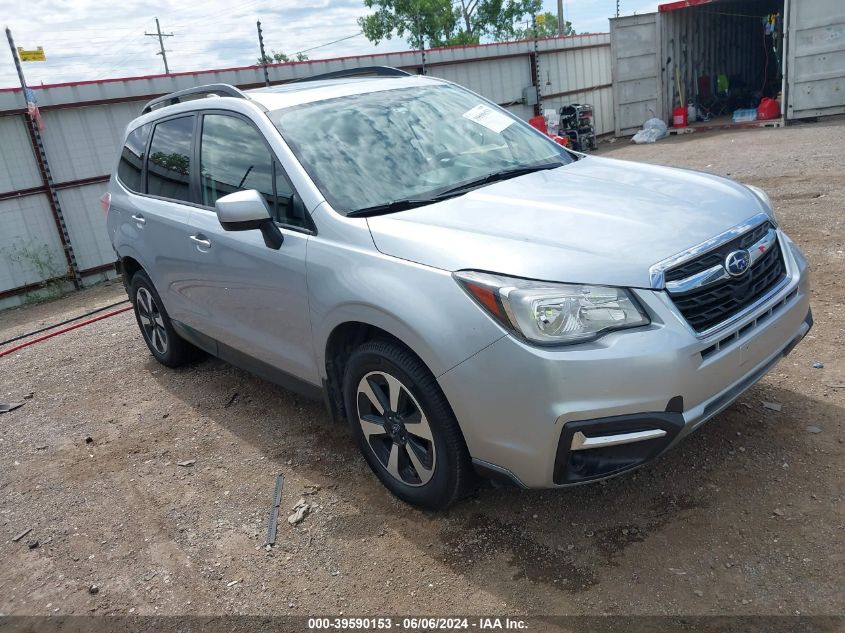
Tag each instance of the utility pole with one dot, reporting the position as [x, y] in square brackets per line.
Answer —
[422, 42]
[617, 8]
[44, 166]
[162, 52]
[263, 56]
[561, 21]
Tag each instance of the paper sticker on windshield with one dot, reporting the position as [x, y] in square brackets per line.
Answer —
[488, 117]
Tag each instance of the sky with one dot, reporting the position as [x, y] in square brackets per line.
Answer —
[86, 40]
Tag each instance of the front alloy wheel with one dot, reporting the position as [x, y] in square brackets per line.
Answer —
[404, 425]
[396, 428]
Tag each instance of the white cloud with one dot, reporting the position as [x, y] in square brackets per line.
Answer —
[94, 40]
[591, 16]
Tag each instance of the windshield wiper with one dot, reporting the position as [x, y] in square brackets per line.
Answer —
[399, 205]
[498, 176]
[411, 203]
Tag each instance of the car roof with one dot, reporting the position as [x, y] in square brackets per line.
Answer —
[275, 97]
[297, 93]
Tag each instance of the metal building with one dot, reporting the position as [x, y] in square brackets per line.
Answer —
[84, 123]
[715, 51]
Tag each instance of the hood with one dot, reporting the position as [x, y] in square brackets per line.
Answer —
[597, 220]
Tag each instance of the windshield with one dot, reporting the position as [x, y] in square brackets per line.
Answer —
[377, 148]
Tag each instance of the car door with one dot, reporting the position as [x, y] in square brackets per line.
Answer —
[155, 217]
[250, 298]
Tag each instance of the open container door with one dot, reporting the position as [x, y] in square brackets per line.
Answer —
[635, 47]
[815, 58]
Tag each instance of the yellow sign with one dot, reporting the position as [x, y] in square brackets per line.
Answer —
[541, 19]
[32, 56]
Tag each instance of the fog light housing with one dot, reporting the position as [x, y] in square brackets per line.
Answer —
[593, 449]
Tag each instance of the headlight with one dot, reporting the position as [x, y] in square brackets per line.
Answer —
[550, 313]
[763, 197]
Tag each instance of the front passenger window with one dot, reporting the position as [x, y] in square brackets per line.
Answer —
[234, 157]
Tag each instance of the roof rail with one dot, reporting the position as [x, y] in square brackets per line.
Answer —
[375, 71]
[209, 89]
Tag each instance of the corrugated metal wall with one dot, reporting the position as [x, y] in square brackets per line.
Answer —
[636, 59]
[18, 169]
[816, 58]
[30, 249]
[29, 243]
[84, 124]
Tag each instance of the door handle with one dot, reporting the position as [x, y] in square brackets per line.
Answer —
[140, 219]
[200, 241]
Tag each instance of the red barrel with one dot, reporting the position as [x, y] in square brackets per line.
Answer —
[768, 109]
[679, 117]
[539, 122]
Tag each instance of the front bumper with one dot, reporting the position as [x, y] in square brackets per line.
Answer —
[520, 407]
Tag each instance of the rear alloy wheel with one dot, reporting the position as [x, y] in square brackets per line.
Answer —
[168, 347]
[152, 323]
[404, 426]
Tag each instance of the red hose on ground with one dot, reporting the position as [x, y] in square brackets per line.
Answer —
[5, 352]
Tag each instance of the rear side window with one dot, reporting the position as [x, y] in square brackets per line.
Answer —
[169, 161]
[132, 158]
[234, 157]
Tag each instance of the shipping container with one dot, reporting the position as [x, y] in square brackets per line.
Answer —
[718, 60]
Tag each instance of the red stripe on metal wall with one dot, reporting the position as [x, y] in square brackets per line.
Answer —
[682, 4]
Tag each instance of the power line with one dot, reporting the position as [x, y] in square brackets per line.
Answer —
[216, 14]
[342, 39]
[131, 48]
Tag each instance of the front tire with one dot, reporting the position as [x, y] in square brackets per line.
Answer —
[404, 426]
[155, 325]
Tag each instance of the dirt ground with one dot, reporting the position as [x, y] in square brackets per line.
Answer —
[746, 517]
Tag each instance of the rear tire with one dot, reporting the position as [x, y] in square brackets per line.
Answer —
[404, 426]
[155, 325]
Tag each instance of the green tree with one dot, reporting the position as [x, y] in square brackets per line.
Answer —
[174, 161]
[462, 38]
[545, 27]
[427, 23]
[499, 19]
[424, 23]
[277, 58]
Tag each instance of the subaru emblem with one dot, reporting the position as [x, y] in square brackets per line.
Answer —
[737, 263]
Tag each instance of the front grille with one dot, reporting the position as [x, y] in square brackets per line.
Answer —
[710, 305]
[718, 255]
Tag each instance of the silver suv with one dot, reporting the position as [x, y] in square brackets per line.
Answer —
[472, 297]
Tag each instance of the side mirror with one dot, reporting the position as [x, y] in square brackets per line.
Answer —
[246, 211]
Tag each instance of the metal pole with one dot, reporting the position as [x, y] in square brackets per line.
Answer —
[617, 8]
[537, 67]
[560, 19]
[422, 43]
[46, 174]
[263, 56]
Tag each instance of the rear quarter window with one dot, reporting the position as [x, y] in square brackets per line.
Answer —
[169, 160]
[131, 163]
